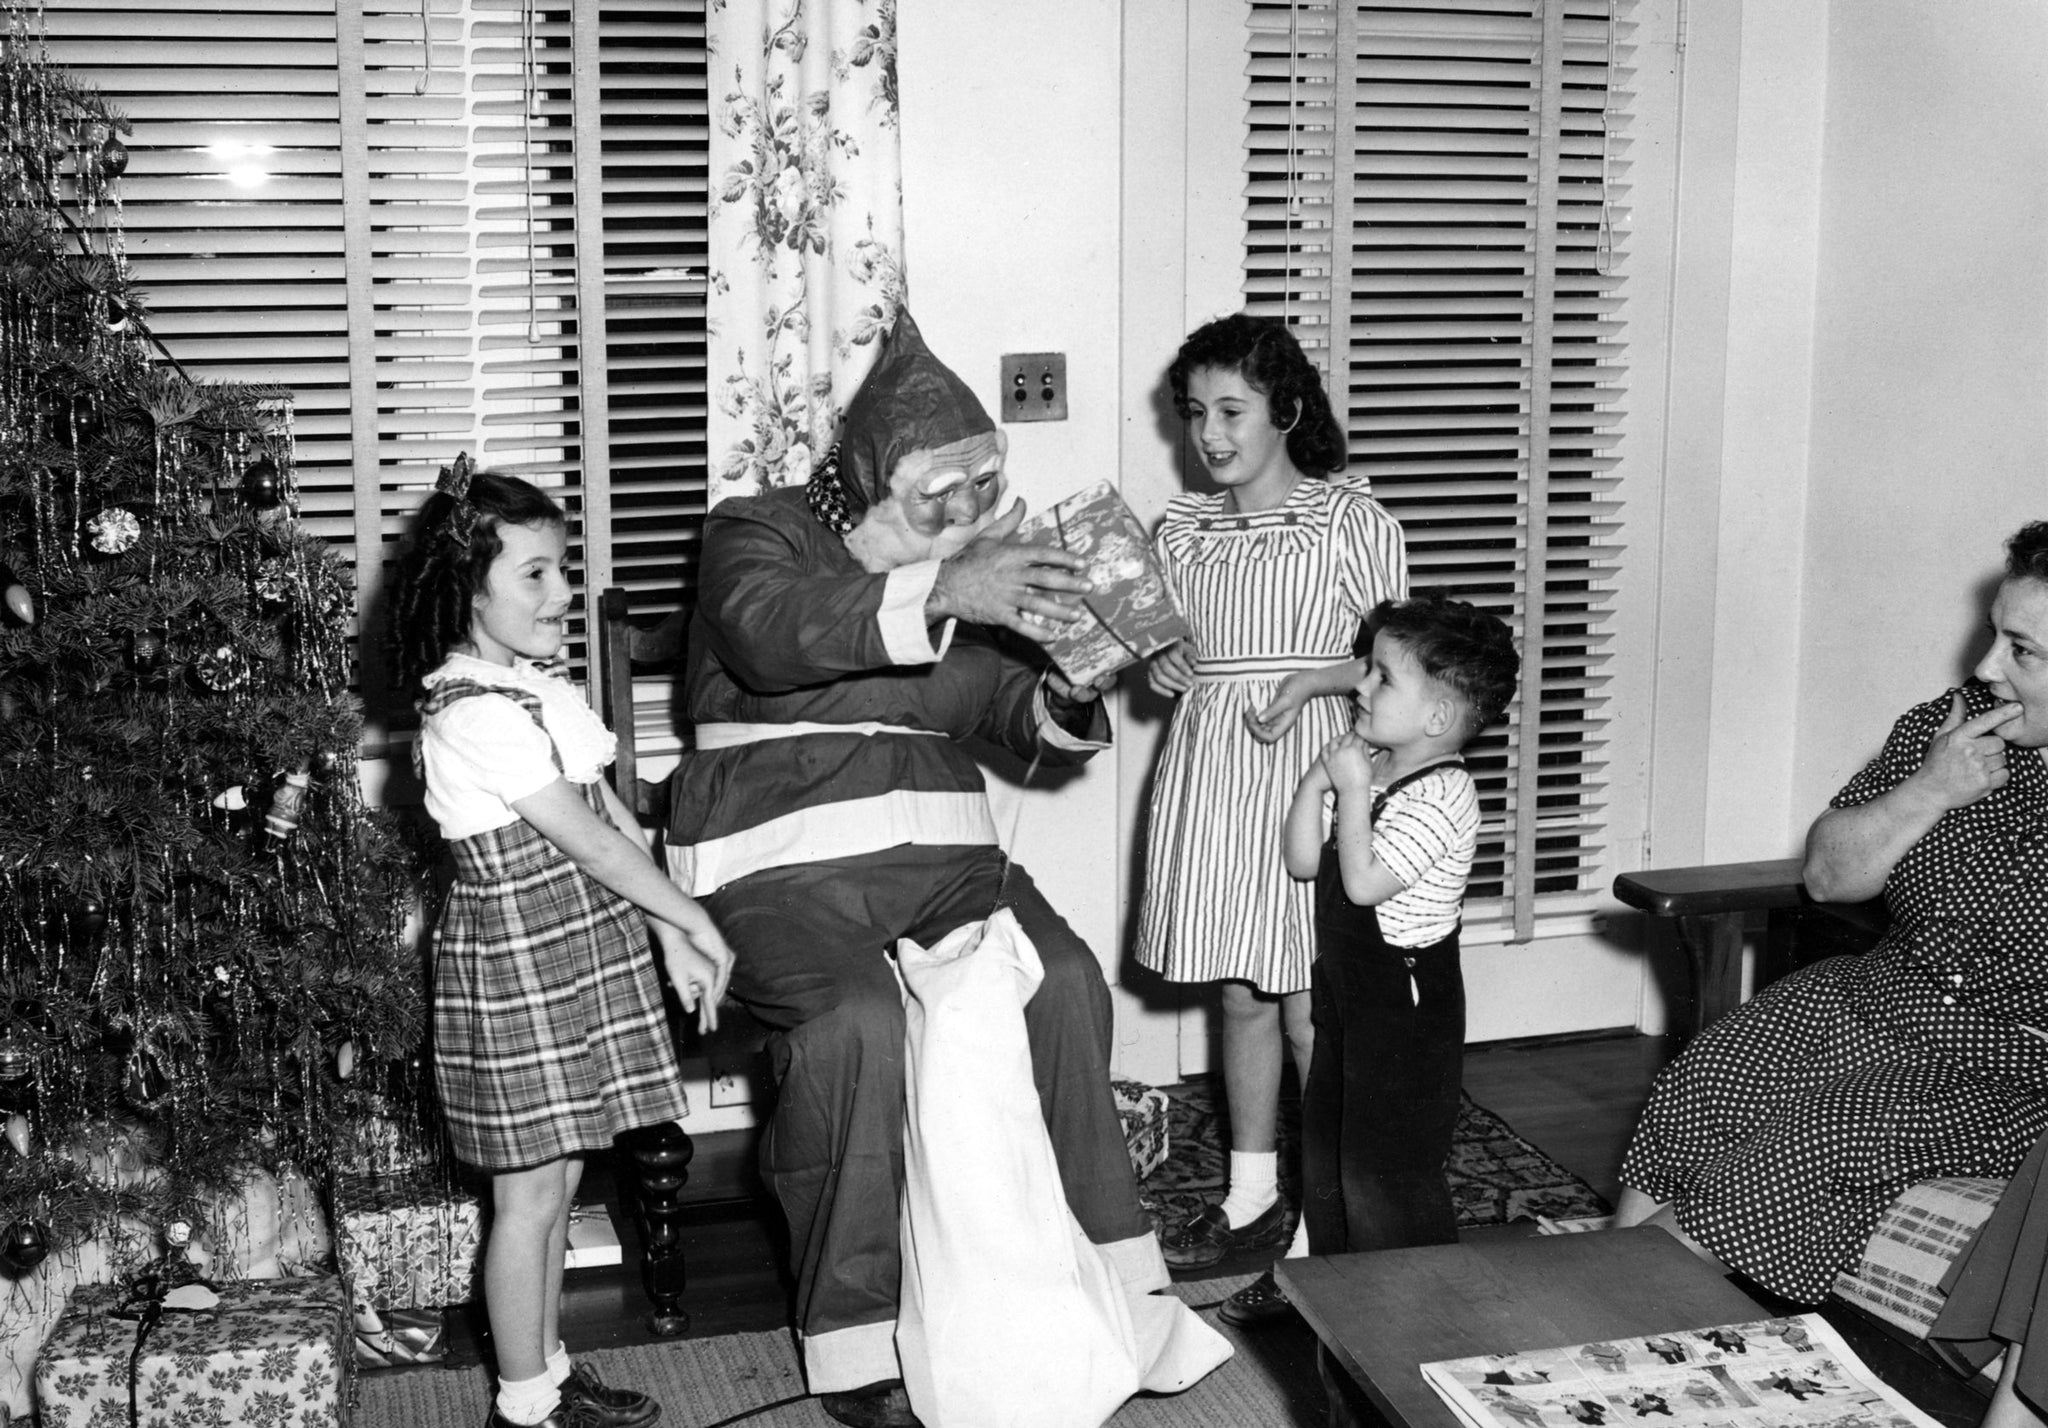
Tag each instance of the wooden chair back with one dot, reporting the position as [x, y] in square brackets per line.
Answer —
[624, 647]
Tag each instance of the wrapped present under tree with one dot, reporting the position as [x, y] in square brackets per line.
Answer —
[268, 1352]
[406, 1241]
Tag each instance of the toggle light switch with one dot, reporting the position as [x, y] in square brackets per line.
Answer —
[1034, 386]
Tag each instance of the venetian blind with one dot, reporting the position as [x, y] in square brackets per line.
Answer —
[1431, 202]
[445, 225]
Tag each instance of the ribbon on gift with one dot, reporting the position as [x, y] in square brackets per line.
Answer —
[169, 1284]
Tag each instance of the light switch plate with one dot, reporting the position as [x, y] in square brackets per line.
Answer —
[1034, 386]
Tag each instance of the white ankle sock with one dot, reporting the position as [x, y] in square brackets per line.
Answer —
[1254, 1186]
[527, 1400]
[559, 1364]
[1297, 1248]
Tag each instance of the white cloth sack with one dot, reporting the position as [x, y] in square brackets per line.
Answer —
[1010, 1318]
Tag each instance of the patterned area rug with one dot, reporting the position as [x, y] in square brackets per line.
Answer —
[752, 1381]
[1495, 1176]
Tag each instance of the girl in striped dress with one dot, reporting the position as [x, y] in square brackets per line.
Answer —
[1274, 572]
[549, 1032]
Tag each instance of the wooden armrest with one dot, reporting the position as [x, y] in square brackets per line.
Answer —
[1708, 903]
[1714, 888]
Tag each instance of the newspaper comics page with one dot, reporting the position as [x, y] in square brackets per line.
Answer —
[1793, 1372]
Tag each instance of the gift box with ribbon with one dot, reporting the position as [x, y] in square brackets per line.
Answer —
[267, 1351]
[1142, 1109]
[406, 1241]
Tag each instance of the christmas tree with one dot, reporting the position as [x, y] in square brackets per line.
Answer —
[201, 927]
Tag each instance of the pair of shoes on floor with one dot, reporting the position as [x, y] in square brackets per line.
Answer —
[885, 1404]
[589, 1402]
[1258, 1305]
[1203, 1239]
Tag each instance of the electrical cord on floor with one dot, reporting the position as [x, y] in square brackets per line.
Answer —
[757, 1412]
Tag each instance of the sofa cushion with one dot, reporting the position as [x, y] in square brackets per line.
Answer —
[1919, 1235]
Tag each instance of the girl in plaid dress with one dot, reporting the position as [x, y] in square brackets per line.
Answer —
[549, 1033]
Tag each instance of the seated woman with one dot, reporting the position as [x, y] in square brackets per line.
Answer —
[1777, 1139]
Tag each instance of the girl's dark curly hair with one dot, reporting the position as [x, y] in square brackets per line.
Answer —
[1468, 650]
[445, 566]
[2026, 554]
[1271, 362]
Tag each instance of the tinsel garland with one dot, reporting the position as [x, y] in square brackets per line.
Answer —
[197, 912]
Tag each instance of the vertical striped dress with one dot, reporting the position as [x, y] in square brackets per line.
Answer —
[1265, 594]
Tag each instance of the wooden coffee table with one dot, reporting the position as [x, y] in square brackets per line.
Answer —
[1382, 1315]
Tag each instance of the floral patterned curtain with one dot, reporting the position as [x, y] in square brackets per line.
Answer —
[806, 226]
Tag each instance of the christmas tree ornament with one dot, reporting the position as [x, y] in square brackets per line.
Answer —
[17, 1059]
[88, 918]
[146, 1081]
[23, 1245]
[17, 1134]
[14, 595]
[114, 530]
[117, 314]
[260, 486]
[286, 801]
[219, 670]
[273, 581]
[325, 762]
[114, 158]
[345, 1060]
[145, 651]
[234, 799]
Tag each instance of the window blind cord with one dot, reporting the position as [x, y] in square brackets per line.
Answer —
[419, 86]
[1293, 164]
[529, 106]
[1605, 256]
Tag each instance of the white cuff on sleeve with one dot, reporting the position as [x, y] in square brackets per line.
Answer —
[1050, 731]
[905, 632]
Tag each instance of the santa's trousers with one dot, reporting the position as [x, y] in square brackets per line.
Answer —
[811, 949]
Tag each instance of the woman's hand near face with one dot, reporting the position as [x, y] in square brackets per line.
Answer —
[1965, 759]
[997, 580]
[1851, 851]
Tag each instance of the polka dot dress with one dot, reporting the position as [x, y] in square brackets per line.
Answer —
[1783, 1132]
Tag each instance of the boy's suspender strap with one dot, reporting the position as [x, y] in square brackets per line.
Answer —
[449, 690]
[1379, 800]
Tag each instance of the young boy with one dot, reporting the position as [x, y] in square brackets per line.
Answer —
[1386, 995]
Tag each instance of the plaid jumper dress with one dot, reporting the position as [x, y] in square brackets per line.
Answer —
[549, 1032]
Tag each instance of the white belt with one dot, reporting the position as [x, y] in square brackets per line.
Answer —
[732, 736]
[1229, 671]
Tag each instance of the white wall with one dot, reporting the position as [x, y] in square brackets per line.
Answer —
[1930, 428]
[1860, 327]
[1012, 233]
